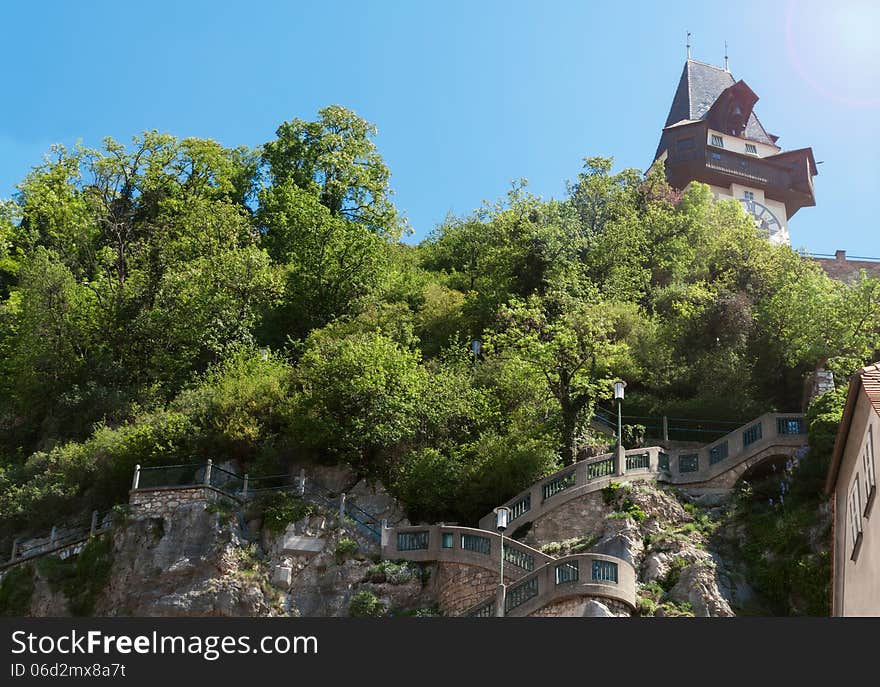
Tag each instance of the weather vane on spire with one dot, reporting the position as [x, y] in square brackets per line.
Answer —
[726, 67]
[689, 44]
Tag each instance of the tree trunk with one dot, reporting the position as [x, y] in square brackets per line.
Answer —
[569, 434]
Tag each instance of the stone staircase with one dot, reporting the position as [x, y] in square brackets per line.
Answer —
[533, 580]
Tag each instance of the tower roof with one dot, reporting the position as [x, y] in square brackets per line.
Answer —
[699, 87]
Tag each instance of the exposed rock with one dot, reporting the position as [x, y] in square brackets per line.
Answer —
[191, 564]
[596, 609]
[46, 603]
[697, 585]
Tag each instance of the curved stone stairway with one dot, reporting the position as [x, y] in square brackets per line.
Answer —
[534, 580]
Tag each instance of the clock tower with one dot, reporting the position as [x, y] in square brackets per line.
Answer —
[713, 136]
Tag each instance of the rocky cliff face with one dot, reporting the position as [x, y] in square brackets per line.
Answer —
[178, 554]
[193, 558]
[663, 535]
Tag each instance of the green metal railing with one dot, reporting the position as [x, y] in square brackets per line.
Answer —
[412, 541]
[663, 461]
[567, 572]
[638, 461]
[476, 543]
[601, 468]
[752, 434]
[484, 610]
[689, 462]
[559, 484]
[524, 505]
[718, 453]
[519, 558]
[520, 593]
[790, 426]
[604, 571]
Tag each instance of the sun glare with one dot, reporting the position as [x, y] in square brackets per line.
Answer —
[834, 47]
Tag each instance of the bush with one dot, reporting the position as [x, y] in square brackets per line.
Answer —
[391, 572]
[241, 407]
[462, 483]
[281, 508]
[364, 604]
[345, 548]
[16, 591]
[80, 578]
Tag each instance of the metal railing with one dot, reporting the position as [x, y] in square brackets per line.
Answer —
[600, 468]
[638, 461]
[518, 594]
[519, 558]
[58, 538]
[558, 484]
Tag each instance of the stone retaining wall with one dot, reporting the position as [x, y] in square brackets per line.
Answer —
[581, 517]
[457, 587]
[163, 501]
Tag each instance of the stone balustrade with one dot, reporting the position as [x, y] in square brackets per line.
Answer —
[464, 545]
[716, 465]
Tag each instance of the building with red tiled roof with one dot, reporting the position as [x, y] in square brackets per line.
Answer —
[852, 484]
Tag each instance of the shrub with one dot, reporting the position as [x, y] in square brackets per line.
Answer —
[345, 548]
[280, 509]
[364, 604]
[609, 493]
[80, 578]
[673, 574]
[16, 591]
[391, 572]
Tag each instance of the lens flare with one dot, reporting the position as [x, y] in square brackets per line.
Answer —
[834, 48]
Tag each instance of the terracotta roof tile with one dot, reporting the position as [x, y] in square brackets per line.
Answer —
[871, 384]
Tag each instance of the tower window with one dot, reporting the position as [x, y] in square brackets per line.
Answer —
[750, 148]
[748, 195]
[717, 140]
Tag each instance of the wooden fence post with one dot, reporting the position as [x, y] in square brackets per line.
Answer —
[342, 505]
[136, 480]
[208, 472]
[94, 526]
[302, 481]
[244, 487]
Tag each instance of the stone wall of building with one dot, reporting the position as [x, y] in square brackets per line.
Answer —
[163, 501]
[583, 606]
[457, 587]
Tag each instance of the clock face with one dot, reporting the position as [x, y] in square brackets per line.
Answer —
[764, 219]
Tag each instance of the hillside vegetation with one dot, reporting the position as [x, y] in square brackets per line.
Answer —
[173, 300]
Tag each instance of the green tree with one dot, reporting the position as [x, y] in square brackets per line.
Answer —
[577, 348]
[360, 397]
[335, 160]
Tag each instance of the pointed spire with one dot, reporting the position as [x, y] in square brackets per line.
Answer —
[726, 66]
[689, 44]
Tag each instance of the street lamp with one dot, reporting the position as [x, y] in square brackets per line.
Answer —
[502, 517]
[619, 386]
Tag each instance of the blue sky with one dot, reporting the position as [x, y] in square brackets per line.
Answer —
[467, 96]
